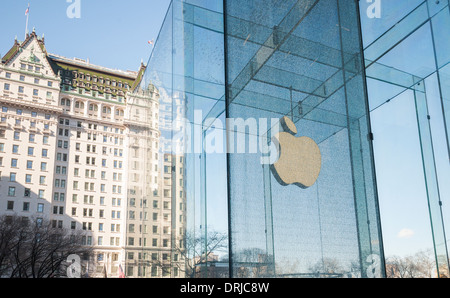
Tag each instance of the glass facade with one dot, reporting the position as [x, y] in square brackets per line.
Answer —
[406, 58]
[308, 140]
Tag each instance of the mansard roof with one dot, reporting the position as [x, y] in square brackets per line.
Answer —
[16, 48]
[69, 69]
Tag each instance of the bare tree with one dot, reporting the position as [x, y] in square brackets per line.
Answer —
[254, 263]
[327, 267]
[34, 249]
[9, 236]
[194, 251]
[419, 265]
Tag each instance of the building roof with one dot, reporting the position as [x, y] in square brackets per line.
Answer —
[81, 64]
[70, 69]
[18, 45]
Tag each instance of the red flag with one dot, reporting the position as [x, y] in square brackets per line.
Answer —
[151, 42]
[121, 273]
[28, 10]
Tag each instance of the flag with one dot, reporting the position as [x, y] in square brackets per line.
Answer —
[121, 273]
[28, 10]
[151, 42]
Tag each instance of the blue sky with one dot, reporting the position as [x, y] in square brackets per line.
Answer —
[111, 33]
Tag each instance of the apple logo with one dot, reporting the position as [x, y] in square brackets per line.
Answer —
[299, 160]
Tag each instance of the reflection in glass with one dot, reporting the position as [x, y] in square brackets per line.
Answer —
[205, 206]
[406, 83]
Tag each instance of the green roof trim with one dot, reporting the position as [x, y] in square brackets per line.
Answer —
[139, 78]
[69, 79]
[12, 52]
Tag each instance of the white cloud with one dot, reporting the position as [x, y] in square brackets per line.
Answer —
[405, 233]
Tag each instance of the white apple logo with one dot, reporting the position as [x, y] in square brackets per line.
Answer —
[300, 160]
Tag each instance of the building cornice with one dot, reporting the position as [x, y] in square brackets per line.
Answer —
[31, 105]
[74, 94]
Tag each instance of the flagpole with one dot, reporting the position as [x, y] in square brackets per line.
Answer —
[26, 26]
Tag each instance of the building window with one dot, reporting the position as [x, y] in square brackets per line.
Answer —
[11, 191]
[14, 163]
[10, 205]
[15, 149]
[26, 206]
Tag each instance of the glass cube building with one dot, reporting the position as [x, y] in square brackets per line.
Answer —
[304, 138]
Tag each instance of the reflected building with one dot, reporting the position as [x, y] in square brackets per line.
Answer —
[155, 218]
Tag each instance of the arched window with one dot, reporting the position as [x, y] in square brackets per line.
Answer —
[79, 105]
[93, 107]
[106, 110]
[119, 112]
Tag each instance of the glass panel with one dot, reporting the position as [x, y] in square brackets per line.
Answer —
[444, 79]
[434, 199]
[402, 192]
[408, 78]
[187, 70]
[400, 31]
[390, 12]
[302, 61]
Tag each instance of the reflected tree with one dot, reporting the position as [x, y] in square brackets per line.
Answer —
[197, 254]
[327, 267]
[253, 263]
